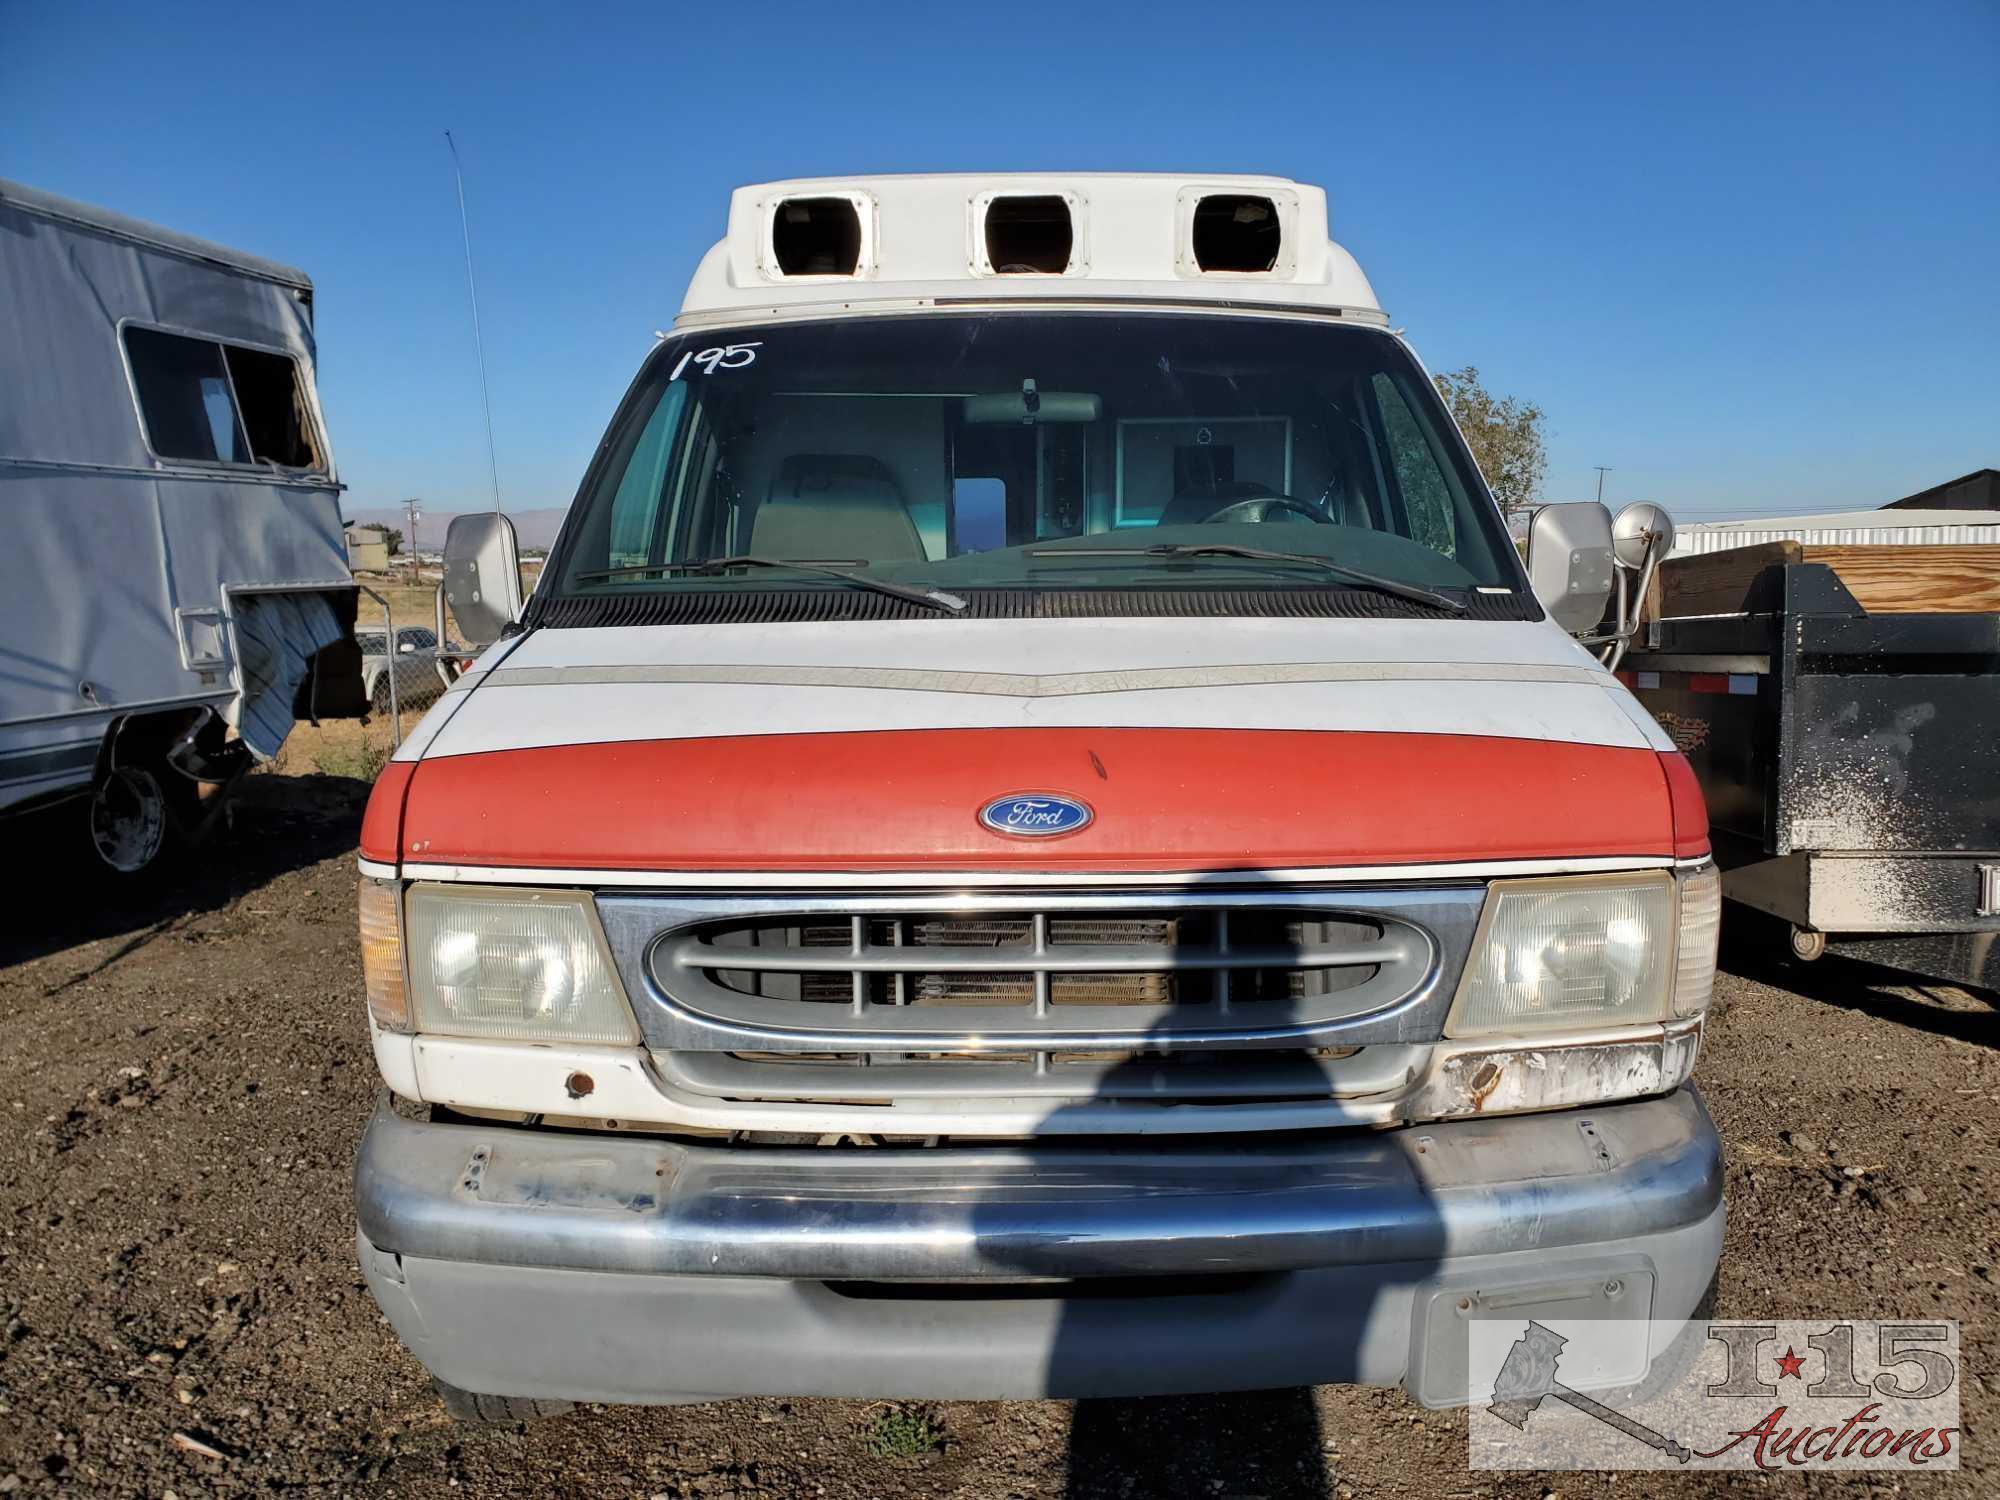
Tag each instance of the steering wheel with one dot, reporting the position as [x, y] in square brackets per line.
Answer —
[1261, 508]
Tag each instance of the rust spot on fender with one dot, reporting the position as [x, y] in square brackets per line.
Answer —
[1483, 1083]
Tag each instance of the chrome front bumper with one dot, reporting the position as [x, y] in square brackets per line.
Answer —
[537, 1263]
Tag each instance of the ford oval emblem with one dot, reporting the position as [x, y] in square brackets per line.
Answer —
[1035, 815]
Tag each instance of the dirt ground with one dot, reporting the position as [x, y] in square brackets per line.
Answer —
[183, 1080]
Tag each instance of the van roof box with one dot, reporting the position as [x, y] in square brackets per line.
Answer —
[817, 246]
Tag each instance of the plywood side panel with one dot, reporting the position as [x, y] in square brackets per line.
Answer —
[1713, 583]
[1953, 579]
[1916, 580]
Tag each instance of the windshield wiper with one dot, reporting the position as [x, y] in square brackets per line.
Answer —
[1414, 592]
[712, 566]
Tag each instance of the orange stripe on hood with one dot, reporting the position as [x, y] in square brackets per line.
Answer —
[1164, 799]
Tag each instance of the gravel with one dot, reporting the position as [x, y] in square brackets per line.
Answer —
[183, 1080]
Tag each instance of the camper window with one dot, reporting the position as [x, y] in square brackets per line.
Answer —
[273, 407]
[184, 397]
[208, 402]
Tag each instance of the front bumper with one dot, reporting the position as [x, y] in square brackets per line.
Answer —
[631, 1269]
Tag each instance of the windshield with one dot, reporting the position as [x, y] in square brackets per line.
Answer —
[1029, 450]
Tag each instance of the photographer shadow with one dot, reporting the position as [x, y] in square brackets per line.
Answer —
[1219, 1294]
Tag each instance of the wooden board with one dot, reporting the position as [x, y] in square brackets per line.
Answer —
[1712, 583]
[1955, 579]
[1962, 580]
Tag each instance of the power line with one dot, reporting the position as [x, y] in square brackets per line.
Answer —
[1775, 509]
[1792, 508]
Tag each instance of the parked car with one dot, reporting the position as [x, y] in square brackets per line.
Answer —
[1034, 838]
[417, 679]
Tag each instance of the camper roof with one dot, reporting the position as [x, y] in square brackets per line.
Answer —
[117, 226]
[812, 246]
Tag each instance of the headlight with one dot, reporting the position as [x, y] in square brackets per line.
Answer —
[1587, 952]
[525, 965]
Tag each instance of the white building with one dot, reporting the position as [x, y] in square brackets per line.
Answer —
[1892, 528]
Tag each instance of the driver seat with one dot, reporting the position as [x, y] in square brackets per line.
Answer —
[835, 506]
[1190, 507]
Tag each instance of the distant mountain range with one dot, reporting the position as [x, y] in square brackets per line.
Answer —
[535, 528]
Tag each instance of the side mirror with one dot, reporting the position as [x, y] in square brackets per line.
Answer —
[482, 575]
[1643, 533]
[407, 647]
[1570, 558]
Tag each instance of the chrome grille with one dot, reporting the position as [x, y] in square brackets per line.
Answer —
[928, 980]
[1038, 961]
[1006, 938]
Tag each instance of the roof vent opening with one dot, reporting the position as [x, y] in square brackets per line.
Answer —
[816, 237]
[1236, 233]
[1029, 236]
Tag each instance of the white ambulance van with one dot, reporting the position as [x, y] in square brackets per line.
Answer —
[1036, 837]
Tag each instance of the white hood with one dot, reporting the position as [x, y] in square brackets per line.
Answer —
[592, 686]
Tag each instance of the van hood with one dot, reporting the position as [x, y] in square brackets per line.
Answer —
[1513, 680]
[1196, 744]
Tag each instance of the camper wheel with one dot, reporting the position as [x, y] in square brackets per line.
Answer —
[128, 819]
[133, 818]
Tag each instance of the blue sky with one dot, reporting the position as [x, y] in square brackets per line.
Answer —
[1748, 255]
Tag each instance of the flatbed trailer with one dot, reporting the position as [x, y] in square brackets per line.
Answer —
[1850, 756]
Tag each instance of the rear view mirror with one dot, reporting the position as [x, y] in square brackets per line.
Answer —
[1570, 554]
[1028, 407]
[482, 575]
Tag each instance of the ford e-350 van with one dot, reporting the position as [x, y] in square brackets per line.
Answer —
[1035, 837]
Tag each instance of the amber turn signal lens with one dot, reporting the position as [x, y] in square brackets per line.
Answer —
[382, 954]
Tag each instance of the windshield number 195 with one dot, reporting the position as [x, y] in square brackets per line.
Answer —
[730, 357]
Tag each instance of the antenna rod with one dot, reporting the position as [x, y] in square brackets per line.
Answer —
[479, 343]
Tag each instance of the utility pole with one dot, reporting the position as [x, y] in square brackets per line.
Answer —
[413, 512]
[1602, 470]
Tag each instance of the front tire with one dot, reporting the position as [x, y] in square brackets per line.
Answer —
[470, 1406]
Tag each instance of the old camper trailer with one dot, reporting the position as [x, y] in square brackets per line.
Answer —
[175, 589]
